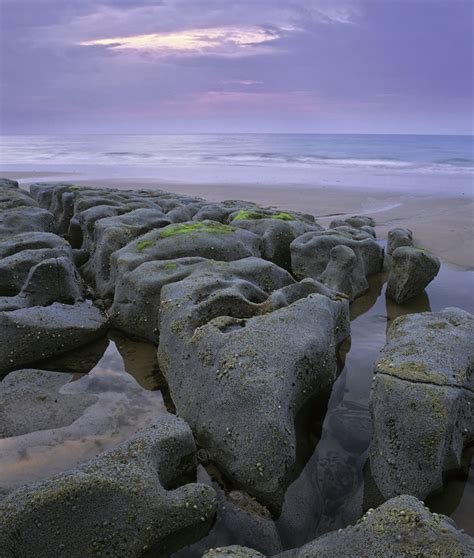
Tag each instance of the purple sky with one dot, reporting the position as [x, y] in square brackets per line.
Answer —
[150, 66]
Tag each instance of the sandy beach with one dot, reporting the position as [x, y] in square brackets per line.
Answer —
[443, 225]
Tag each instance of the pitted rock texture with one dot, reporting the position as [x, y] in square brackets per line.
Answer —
[422, 401]
[221, 335]
[402, 527]
[311, 256]
[411, 271]
[124, 502]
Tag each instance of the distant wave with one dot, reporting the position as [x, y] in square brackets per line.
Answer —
[128, 154]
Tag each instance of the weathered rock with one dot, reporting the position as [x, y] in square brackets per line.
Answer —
[422, 401]
[260, 369]
[123, 502]
[400, 527]
[356, 221]
[7, 183]
[34, 333]
[52, 280]
[276, 229]
[311, 254]
[19, 253]
[31, 400]
[233, 551]
[207, 239]
[411, 271]
[113, 233]
[25, 219]
[339, 270]
[398, 237]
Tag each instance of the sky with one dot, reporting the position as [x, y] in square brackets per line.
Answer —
[198, 66]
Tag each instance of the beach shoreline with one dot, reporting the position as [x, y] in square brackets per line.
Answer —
[441, 224]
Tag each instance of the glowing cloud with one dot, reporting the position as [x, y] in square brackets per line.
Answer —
[223, 41]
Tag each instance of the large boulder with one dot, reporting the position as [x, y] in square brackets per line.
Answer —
[126, 501]
[38, 332]
[206, 239]
[422, 401]
[7, 183]
[311, 253]
[259, 354]
[411, 271]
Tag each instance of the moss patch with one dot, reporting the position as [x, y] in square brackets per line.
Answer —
[245, 215]
[179, 228]
[143, 244]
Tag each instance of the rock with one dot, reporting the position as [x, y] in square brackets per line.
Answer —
[113, 233]
[52, 280]
[311, 254]
[7, 183]
[403, 526]
[31, 400]
[20, 253]
[277, 231]
[124, 502]
[207, 239]
[25, 219]
[398, 237]
[219, 336]
[340, 269]
[233, 551]
[411, 271]
[422, 401]
[35, 333]
[356, 221]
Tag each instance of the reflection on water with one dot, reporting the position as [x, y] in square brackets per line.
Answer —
[121, 407]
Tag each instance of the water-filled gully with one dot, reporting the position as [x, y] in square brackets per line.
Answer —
[327, 494]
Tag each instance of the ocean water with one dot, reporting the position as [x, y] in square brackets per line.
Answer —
[441, 164]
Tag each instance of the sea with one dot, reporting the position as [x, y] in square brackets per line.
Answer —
[439, 164]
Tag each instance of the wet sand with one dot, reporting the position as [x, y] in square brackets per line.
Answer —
[443, 225]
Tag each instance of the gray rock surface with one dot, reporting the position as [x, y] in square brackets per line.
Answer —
[220, 335]
[422, 401]
[401, 527]
[7, 183]
[31, 400]
[411, 271]
[398, 237]
[35, 333]
[311, 254]
[356, 221]
[124, 502]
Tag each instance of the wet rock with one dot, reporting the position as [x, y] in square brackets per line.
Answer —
[7, 183]
[339, 270]
[113, 233]
[398, 237]
[207, 239]
[356, 221]
[403, 526]
[52, 280]
[277, 231]
[219, 336]
[25, 219]
[31, 400]
[34, 333]
[21, 252]
[124, 502]
[411, 271]
[233, 551]
[422, 401]
[311, 254]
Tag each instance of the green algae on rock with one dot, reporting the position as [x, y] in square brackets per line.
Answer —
[244, 215]
[189, 228]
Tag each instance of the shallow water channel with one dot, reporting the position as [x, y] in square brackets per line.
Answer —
[328, 493]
